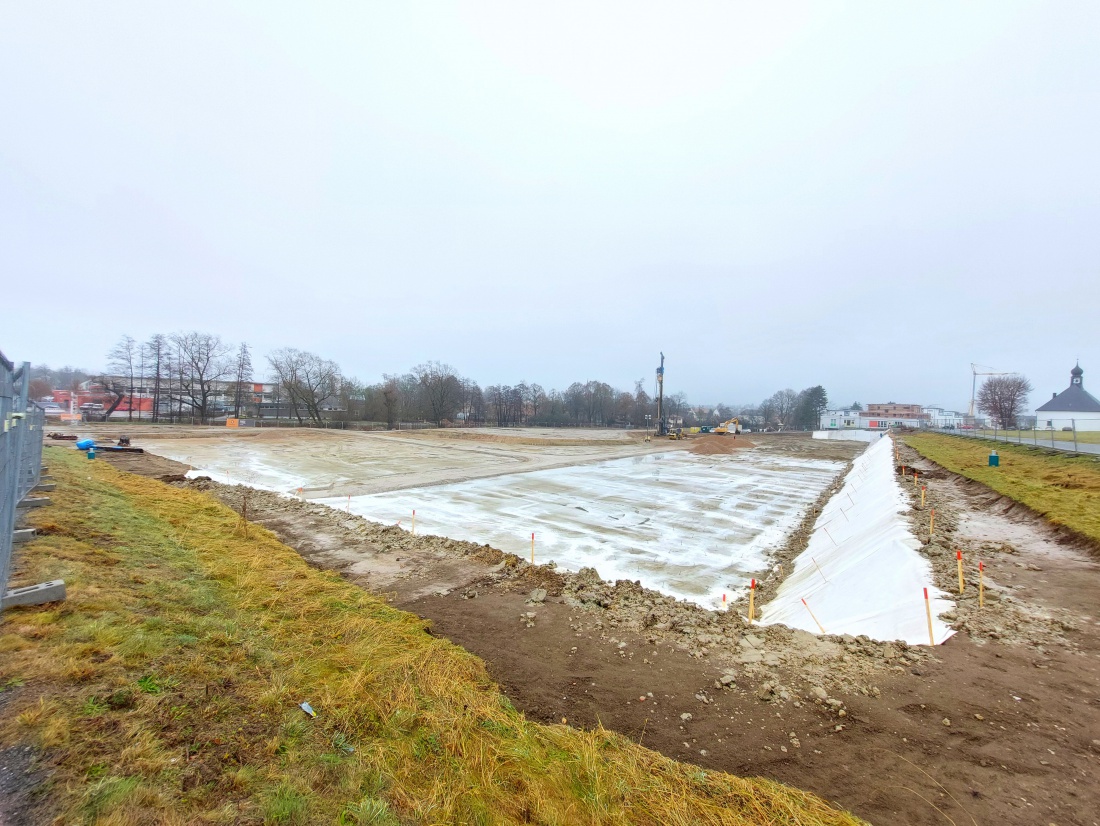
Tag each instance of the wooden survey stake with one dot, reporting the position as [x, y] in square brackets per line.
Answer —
[928, 611]
[981, 584]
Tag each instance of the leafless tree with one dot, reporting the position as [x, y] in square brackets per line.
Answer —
[784, 403]
[308, 380]
[40, 387]
[203, 362]
[440, 388]
[1004, 398]
[154, 363]
[391, 400]
[122, 361]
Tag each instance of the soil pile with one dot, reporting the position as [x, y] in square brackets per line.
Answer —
[719, 445]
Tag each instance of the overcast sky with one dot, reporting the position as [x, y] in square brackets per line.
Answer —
[868, 195]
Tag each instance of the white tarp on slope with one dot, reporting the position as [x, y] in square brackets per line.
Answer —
[861, 572]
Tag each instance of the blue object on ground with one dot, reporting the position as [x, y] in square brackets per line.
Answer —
[994, 459]
[84, 444]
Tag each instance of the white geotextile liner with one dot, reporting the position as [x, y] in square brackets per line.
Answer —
[861, 572]
[694, 527]
[848, 435]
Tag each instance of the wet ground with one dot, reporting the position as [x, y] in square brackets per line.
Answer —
[999, 725]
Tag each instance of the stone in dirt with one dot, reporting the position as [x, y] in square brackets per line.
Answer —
[537, 595]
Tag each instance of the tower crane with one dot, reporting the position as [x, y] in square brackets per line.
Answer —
[987, 371]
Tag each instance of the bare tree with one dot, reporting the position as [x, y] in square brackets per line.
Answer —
[122, 361]
[1004, 398]
[440, 387]
[784, 403]
[156, 351]
[202, 363]
[40, 387]
[309, 381]
[391, 400]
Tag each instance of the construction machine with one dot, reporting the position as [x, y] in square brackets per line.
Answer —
[729, 426]
[676, 434]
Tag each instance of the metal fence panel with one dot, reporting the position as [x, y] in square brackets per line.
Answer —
[20, 452]
[1065, 435]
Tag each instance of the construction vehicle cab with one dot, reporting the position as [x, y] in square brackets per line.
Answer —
[729, 426]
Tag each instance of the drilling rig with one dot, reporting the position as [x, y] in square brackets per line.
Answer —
[662, 425]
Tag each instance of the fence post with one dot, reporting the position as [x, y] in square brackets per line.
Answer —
[1074, 423]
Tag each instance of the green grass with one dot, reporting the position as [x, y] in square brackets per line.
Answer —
[1063, 488]
[1041, 437]
[166, 689]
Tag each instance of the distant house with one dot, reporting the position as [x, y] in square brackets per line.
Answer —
[867, 420]
[893, 410]
[846, 419]
[940, 417]
[1073, 407]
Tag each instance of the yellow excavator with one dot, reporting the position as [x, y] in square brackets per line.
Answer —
[729, 426]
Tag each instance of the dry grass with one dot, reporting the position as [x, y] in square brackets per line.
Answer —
[166, 690]
[1064, 489]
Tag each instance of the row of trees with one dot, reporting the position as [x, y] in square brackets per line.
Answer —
[199, 376]
[185, 375]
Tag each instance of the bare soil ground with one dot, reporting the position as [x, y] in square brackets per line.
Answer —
[1000, 724]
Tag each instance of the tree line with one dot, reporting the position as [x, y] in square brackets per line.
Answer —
[199, 376]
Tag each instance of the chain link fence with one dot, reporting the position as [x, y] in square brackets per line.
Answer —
[20, 453]
[1067, 435]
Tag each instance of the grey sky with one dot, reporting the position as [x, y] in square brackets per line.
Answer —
[864, 195]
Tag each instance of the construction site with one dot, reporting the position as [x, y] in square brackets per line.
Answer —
[804, 609]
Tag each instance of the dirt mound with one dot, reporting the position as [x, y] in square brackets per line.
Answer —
[718, 445]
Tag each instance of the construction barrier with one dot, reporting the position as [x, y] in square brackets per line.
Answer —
[20, 472]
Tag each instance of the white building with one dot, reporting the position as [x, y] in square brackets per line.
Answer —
[840, 420]
[1073, 407]
[862, 420]
[942, 418]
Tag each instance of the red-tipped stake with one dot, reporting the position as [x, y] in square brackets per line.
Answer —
[923, 488]
[532, 549]
[928, 611]
[959, 560]
[752, 596]
[414, 522]
[819, 625]
[932, 522]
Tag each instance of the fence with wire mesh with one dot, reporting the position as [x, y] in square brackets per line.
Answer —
[20, 452]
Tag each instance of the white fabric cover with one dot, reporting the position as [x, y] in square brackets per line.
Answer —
[868, 577]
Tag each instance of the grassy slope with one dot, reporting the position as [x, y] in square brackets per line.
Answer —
[1043, 437]
[166, 690]
[1065, 489]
